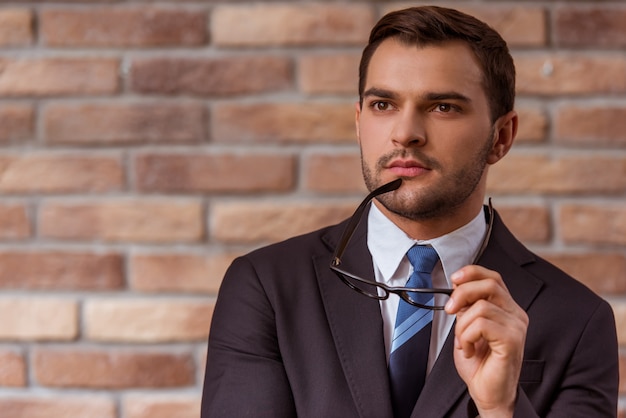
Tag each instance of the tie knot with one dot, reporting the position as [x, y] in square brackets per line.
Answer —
[423, 258]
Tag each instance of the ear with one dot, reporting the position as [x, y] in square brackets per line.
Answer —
[505, 130]
[357, 117]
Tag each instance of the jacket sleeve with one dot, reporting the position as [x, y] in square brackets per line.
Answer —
[244, 374]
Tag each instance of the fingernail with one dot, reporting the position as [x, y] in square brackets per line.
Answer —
[449, 304]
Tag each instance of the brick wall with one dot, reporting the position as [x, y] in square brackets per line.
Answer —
[145, 144]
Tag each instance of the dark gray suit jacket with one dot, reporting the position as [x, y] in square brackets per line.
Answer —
[289, 339]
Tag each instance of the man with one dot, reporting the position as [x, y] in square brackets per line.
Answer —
[307, 327]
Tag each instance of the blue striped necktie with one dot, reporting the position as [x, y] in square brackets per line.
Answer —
[411, 337]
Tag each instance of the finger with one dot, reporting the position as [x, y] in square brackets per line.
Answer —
[474, 283]
[487, 322]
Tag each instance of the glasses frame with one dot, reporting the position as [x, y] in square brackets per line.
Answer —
[402, 292]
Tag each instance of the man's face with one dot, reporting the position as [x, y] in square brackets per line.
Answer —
[425, 118]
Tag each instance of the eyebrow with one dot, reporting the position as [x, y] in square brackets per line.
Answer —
[433, 96]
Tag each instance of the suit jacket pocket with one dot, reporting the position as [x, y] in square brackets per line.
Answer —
[532, 371]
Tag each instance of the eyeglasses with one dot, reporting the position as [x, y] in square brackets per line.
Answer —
[381, 291]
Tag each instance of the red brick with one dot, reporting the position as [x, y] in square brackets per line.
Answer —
[242, 222]
[603, 272]
[588, 26]
[533, 125]
[334, 173]
[528, 223]
[589, 124]
[211, 77]
[284, 122]
[17, 123]
[16, 27]
[115, 369]
[38, 319]
[61, 270]
[172, 406]
[45, 77]
[593, 224]
[289, 24]
[123, 220]
[537, 173]
[14, 222]
[324, 73]
[52, 173]
[74, 406]
[123, 27]
[115, 123]
[217, 172]
[147, 320]
[165, 272]
[12, 369]
[570, 73]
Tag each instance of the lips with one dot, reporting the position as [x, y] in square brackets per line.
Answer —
[407, 168]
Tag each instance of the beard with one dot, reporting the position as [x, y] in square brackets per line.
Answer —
[437, 200]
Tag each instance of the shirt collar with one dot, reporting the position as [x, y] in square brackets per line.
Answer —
[388, 244]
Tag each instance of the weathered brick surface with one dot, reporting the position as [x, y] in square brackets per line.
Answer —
[570, 73]
[61, 270]
[291, 24]
[334, 173]
[38, 318]
[145, 145]
[559, 175]
[120, 123]
[162, 272]
[591, 125]
[74, 406]
[59, 174]
[15, 222]
[58, 76]
[17, 123]
[329, 73]
[143, 320]
[12, 369]
[586, 26]
[284, 122]
[211, 77]
[220, 172]
[122, 26]
[118, 369]
[593, 224]
[16, 27]
[262, 222]
[138, 406]
[603, 273]
[132, 221]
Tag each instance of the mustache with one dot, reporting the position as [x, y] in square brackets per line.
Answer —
[414, 154]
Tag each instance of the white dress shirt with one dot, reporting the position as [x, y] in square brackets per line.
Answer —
[388, 245]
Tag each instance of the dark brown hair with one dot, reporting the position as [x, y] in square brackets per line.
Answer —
[432, 25]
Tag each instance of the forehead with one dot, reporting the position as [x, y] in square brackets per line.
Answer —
[449, 66]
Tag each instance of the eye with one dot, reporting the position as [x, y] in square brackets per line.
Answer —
[443, 107]
[381, 106]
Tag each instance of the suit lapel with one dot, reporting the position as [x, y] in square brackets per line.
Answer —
[357, 328]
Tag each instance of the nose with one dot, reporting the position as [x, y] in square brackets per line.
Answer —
[409, 129]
